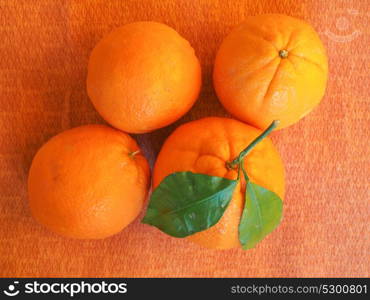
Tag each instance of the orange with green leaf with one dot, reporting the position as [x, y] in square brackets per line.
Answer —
[218, 182]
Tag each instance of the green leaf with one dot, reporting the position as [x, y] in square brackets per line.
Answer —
[185, 203]
[261, 215]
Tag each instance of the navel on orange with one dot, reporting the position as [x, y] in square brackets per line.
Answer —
[271, 67]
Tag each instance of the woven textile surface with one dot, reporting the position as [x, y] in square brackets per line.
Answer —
[44, 50]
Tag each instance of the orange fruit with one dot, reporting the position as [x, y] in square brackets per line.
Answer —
[88, 182]
[204, 146]
[271, 67]
[143, 76]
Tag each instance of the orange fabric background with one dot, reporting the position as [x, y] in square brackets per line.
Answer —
[44, 51]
